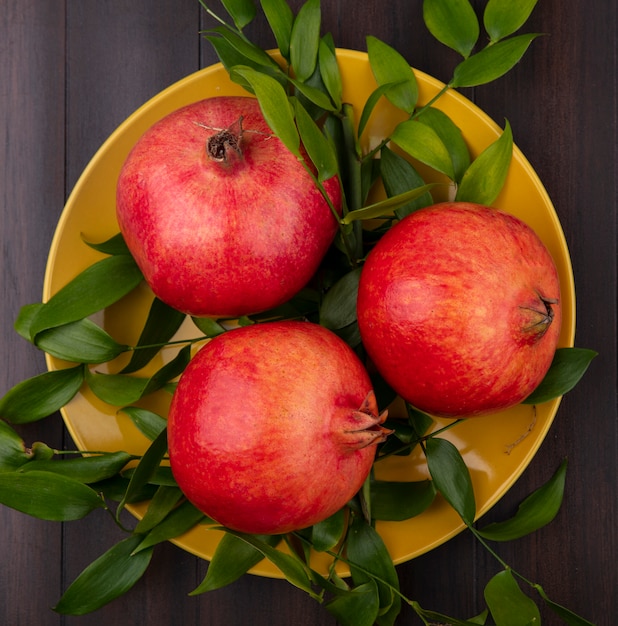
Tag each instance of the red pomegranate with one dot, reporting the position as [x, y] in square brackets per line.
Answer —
[273, 427]
[222, 219]
[459, 309]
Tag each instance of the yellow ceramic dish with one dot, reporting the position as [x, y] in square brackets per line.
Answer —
[496, 448]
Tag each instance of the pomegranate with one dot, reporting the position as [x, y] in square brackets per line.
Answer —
[459, 309]
[273, 427]
[222, 219]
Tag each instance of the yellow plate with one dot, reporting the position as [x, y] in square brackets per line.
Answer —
[496, 448]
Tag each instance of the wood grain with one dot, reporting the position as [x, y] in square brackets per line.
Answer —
[72, 71]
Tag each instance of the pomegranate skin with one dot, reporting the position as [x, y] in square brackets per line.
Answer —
[273, 427]
[229, 234]
[459, 309]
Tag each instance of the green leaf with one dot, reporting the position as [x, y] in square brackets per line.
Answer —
[399, 176]
[281, 19]
[502, 18]
[149, 423]
[329, 70]
[169, 371]
[85, 469]
[275, 106]
[451, 476]
[536, 511]
[161, 324]
[369, 559]
[241, 11]
[120, 389]
[325, 535]
[385, 208]
[305, 39]
[116, 389]
[508, 605]
[350, 334]
[24, 319]
[42, 395]
[114, 489]
[180, 520]
[312, 94]
[303, 304]
[451, 137]
[565, 614]
[396, 501]
[419, 420]
[453, 23]
[114, 245]
[492, 62]
[338, 308]
[48, 496]
[81, 342]
[389, 67]
[110, 576]
[318, 148]
[161, 476]
[145, 468]
[230, 56]
[567, 368]
[238, 47]
[94, 289]
[402, 440]
[485, 177]
[13, 452]
[359, 607]
[291, 567]
[163, 502]
[371, 102]
[424, 144]
[334, 584]
[210, 327]
[233, 558]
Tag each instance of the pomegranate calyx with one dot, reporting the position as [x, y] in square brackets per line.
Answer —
[225, 145]
[364, 428]
[539, 319]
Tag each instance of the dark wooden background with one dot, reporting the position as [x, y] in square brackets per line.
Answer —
[72, 70]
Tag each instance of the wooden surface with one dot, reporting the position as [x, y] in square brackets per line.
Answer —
[71, 71]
